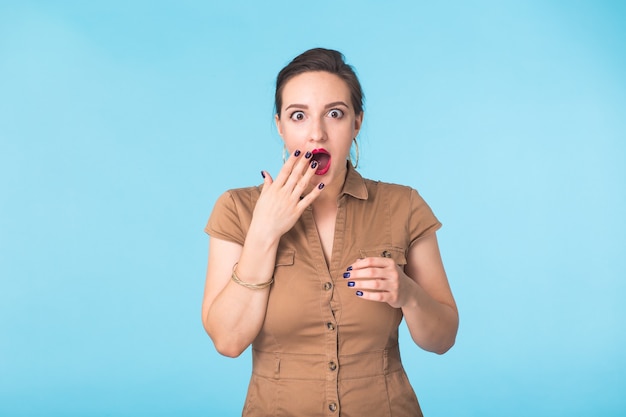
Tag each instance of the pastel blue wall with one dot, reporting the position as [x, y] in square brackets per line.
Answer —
[122, 121]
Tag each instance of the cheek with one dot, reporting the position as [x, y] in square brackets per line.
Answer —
[347, 128]
[292, 138]
[346, 135]
[289, 134]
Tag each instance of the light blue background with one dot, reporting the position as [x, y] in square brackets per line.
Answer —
[122, 121]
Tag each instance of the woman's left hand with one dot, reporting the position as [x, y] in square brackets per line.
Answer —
[378, 279]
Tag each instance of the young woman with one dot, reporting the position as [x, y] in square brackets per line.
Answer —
[317, 267]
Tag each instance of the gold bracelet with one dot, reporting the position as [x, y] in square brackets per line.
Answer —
[260, 286]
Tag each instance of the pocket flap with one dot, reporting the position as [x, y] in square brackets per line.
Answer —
[397, 254]
[285, 257]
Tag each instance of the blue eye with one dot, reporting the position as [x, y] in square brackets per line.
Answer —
[335, 114]
[297, 115]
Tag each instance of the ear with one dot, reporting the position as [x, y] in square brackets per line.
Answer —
[358, 121]
[278, 127]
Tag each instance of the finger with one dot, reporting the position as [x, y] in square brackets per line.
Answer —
[378, 296]
[305, 181]
[367, 284]
[390, 297]
[298, 170]
[372, 262]
[362, 275]
[267, 181]
[369, 272]
[267, 178]
[308, 199]
[374, 290]
[285, 171]
[303, 163]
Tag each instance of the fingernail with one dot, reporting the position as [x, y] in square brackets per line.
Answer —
[351, 284]
[296, 153]
[346, 275]
[321, 185]
[308, 155]
[263, 174]
[349, 268]
[359, 293]
[314, 164]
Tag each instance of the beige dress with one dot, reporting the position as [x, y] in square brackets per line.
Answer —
[323, 351]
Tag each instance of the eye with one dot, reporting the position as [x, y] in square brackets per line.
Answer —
[297, 115]
[335, 114]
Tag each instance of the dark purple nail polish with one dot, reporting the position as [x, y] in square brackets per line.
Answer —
[308, 155]
[346, 275]
[349, 268]
[321, 185]
[296, 153]
[359, 293]
[350, 283]
[314, 164]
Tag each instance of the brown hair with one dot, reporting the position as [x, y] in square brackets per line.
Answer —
[320, 59]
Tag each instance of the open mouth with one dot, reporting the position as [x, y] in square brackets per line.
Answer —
[322, 157]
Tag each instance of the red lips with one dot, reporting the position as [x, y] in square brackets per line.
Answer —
[322, 157]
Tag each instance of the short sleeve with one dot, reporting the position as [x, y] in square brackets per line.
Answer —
[225, 220]
[422, 220]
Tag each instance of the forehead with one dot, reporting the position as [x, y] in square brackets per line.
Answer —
[315, 86]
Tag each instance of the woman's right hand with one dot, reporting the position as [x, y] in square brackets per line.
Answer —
[283, 200]
[233, 315]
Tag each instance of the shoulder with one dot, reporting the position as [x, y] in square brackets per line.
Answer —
[409, 215]
[232, 214]
[402, 199]
[244, 192]
[236, 203]
[241, 197]
[388, 190]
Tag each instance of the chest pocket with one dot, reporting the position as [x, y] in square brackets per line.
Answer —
[397, 254]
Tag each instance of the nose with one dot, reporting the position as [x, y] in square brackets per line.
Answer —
[317, 130]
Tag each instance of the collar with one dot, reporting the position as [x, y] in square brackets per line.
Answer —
[354, 184]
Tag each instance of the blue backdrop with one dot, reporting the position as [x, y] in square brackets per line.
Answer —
[122, 121]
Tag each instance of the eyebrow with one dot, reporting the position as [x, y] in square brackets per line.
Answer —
[327, 106]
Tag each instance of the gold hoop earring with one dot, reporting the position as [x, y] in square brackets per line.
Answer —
[356, 151]
[284, 153]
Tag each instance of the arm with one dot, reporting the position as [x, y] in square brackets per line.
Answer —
[233, 314]
[430, 310]
[421, 290]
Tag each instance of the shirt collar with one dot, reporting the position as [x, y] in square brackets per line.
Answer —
[354, 184]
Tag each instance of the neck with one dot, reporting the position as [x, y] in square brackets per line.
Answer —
[325, 201]
[328, 197]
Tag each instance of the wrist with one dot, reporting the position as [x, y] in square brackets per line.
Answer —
[261, 237]
[250, 285]
[411, 293]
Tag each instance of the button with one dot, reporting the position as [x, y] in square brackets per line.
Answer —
[330, 326]
[332, 407]
[386, 254]
[328, 285]
[332, 366]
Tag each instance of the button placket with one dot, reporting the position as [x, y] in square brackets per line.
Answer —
[332, 397]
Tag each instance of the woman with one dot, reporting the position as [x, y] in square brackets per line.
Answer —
[317, 267]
